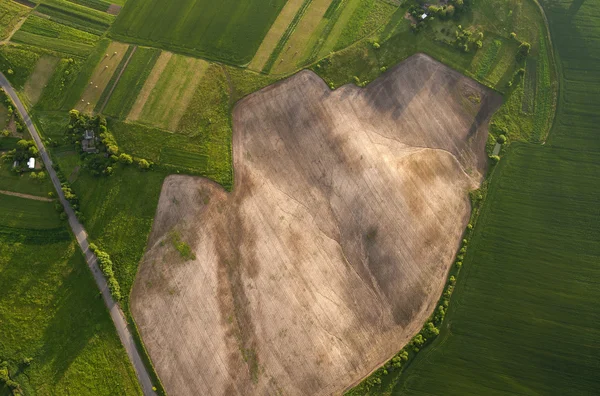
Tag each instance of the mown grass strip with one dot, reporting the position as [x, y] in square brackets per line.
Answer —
[331, 15]
[87, 69]
[113, 80]
[129, 86]
[286, 35]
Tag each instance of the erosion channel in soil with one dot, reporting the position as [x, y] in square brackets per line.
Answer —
[333, 247]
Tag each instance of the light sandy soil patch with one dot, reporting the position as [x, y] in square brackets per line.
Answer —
[172, 92]
[39, 78]
[101, 76]
[27, 196]
[140, 102]
[277, 30]
[114, 9]
[296, 45]
[333, 247]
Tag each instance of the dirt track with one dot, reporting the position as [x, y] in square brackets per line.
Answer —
[332, 249]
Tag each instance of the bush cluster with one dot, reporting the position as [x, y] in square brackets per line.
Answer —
[106, 266]
[6, 380]
[108, 155]
[25, 149]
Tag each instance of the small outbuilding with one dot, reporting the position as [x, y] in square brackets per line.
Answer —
[31, 163]
[424, 16]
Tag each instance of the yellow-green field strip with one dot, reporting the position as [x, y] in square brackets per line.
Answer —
[277, 30]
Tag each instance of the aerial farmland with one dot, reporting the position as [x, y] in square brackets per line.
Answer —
[299, 197]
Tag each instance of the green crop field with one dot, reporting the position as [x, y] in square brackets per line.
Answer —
[78, 16]
[523, 318]
[227, 30]
[50, 313]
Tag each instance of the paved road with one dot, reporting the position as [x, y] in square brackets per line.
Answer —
[115, 311]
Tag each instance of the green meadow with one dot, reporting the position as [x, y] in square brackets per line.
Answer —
[56, 335]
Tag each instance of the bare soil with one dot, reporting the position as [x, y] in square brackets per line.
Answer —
[39, 78]
[333, 247]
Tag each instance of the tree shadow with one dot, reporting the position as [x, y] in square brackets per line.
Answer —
[79, 312]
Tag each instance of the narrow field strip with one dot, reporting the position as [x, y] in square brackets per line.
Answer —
[173, 91]
[286, 35]
[284, 19]
[131, 82]
[296, 45]
[114, 81]
[346, 9]
[101, 76]
[39, 78]
[140, 102]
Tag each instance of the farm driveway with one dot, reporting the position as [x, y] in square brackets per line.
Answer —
[116, 314]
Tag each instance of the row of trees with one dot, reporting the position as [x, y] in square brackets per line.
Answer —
[106, 266]
[427, 334]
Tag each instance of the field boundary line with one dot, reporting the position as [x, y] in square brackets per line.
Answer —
[101, 109]
[26, 196]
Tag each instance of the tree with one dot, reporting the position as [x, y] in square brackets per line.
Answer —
[524, 49]
[143, 164]
[74, 115]
[125, 159]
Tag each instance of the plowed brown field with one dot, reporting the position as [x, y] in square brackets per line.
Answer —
[334, 245]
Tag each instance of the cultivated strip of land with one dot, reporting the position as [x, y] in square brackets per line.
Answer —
[101, 76]
[277, 30]
[294, 48]
[140, 102]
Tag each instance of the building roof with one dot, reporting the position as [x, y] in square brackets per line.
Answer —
[31, 163]
[423, 16]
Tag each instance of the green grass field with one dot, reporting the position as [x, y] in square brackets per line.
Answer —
[51, 312]
[119, 212]
[20, 60]
[228, 30]
[17, 212]
[10, 13]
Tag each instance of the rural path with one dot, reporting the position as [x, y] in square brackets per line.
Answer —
[27, 196]
[115, 311]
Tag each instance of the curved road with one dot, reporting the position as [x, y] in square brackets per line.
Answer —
[115, 311]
